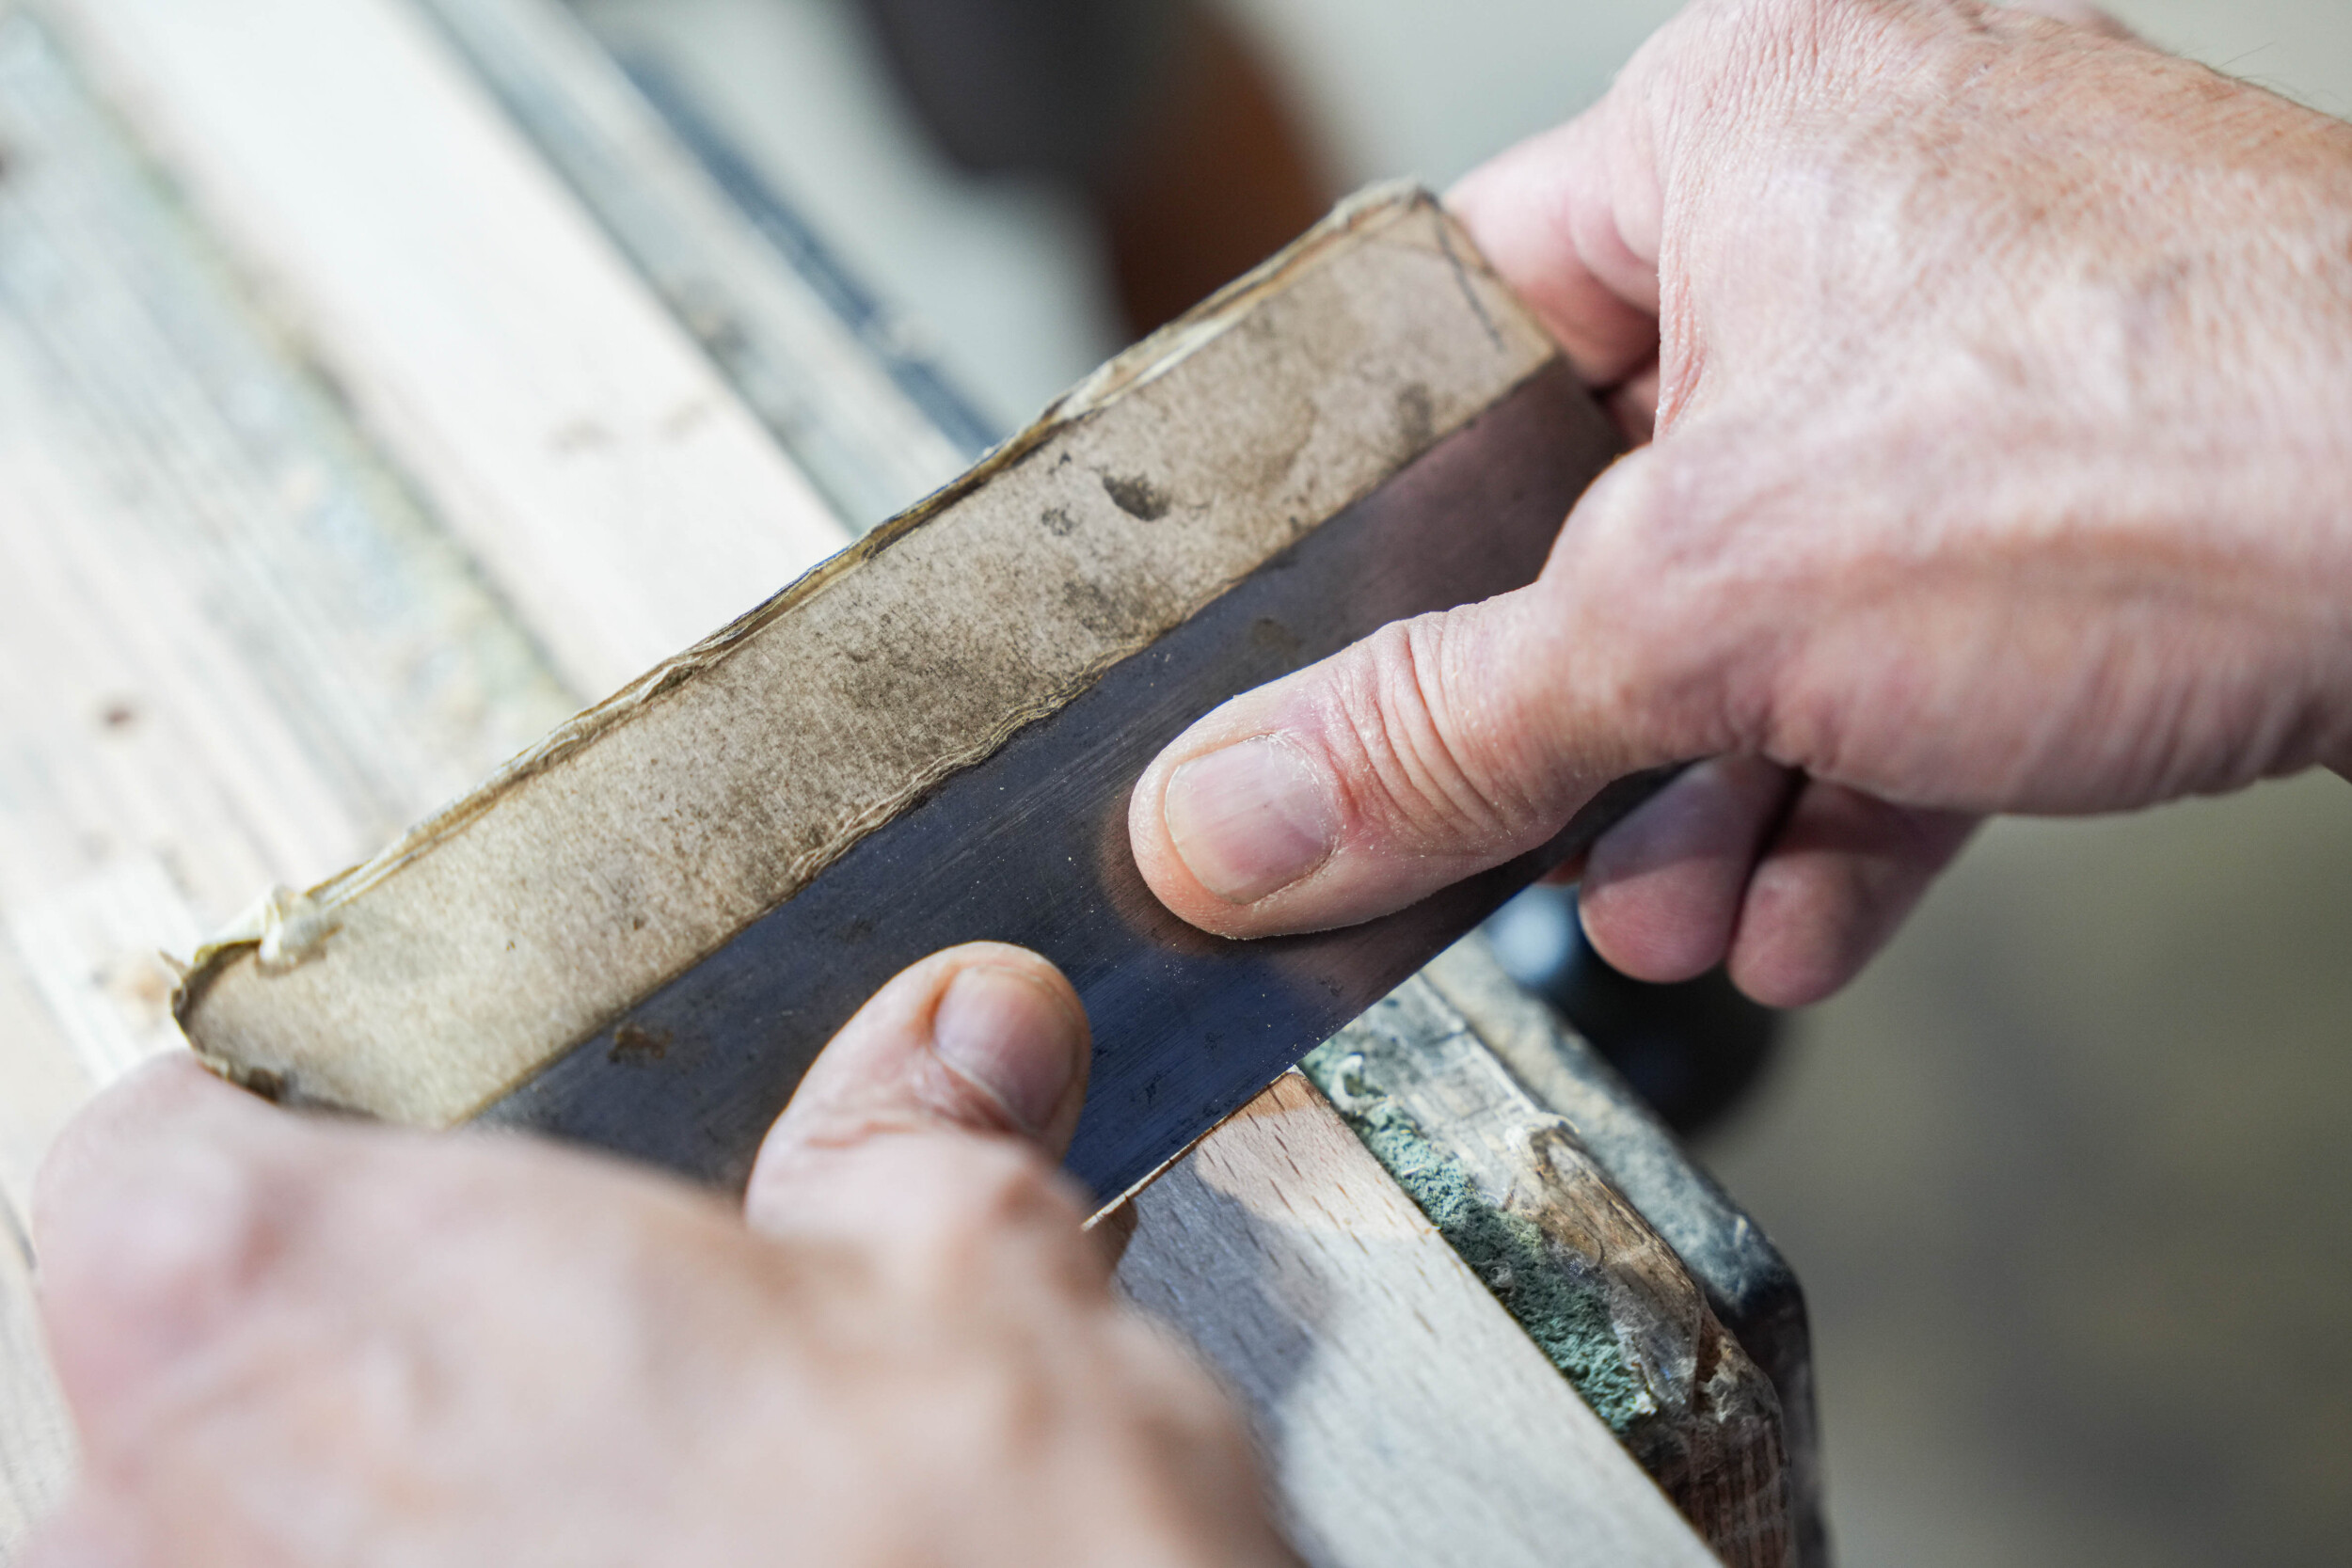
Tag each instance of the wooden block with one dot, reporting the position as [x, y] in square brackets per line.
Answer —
[1404, 1418]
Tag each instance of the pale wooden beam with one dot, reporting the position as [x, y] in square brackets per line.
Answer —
[558, 420]
[830, 370]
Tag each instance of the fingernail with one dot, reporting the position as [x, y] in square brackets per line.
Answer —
[1251, 819]
[1007, 1033]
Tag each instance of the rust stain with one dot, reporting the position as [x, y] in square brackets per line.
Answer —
[634, 1045]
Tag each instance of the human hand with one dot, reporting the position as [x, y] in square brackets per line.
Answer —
[289, 1340]
[1998, 376]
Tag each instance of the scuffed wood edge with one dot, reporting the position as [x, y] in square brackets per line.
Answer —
[1511, 1185]
[1404, 1418]
[1748, 1283]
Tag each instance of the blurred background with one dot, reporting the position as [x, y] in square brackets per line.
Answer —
[2064, 1175]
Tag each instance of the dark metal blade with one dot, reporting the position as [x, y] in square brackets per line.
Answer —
[1030, 847]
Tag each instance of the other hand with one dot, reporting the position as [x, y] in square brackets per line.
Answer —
[1996, 377]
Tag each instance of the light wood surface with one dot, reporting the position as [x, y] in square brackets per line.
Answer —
[234, 649]
[563, 425]
[827, 367]
[1404, 1418]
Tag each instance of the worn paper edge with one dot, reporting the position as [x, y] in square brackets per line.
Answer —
[284, 928]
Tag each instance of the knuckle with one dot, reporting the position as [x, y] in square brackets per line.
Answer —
[1419, 759]
[1687, 589]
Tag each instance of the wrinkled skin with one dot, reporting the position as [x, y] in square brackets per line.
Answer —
[289, 1341]
[1996, 375]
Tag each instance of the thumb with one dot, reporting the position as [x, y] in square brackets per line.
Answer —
[1433, 749]
[958, 1085]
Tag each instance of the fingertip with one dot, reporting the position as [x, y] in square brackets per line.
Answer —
[1663, 889]
[1839, 882]
[1012, 1027]
[1644, 939]
[1231, 811]
[1427, 752]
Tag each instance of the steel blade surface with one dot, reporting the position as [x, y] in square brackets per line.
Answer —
[1030, 847]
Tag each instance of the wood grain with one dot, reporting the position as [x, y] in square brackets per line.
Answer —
[1404, 1418]
[825, 367]
[486, 332]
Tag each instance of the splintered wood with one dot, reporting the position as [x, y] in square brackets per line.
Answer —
[1373, 1360]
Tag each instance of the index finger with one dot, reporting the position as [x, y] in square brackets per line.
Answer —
[1571, 220]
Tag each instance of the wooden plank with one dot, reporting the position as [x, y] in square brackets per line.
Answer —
[1405, 1420]
[1512, 1185]
[485, 331]
[233, 650]
[36, 1441]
